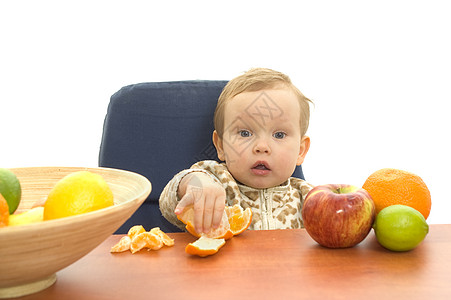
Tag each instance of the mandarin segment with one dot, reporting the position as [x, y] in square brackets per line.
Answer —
[137, 243]
[392, 186]
[167, 241]
[154, 242]
[145, 240]
[138, 238]
[135, 230]
[122, 245]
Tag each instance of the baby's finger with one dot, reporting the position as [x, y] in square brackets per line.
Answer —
[186, 200]
[218, 212]
[199, 214]
[208, 214]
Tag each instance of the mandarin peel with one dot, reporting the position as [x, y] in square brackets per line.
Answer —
[204, 246]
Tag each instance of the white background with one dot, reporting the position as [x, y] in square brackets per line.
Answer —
[379, 73]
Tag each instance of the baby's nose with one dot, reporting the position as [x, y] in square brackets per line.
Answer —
[261, 146]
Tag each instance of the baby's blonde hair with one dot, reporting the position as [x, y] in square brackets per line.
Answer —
[255, 80]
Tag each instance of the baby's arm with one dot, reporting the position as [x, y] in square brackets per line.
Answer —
[207, 196]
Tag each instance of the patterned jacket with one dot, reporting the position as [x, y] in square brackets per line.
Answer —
[272, 208]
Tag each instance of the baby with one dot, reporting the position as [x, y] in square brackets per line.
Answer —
[260, 124]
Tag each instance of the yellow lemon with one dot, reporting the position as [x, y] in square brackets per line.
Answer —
[400, 227]
[33, 215]
[77, 193]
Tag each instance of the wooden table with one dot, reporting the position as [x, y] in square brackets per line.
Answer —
[278, 264]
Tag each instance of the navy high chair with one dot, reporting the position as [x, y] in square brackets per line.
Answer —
[157, 129]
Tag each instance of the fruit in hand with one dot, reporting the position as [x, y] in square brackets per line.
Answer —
[77, 193]
[338, 215]
[400, 228]
[10, 189]
[222, 231]
[234, 221]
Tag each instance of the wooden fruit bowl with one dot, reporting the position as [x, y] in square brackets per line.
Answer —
[30, 255]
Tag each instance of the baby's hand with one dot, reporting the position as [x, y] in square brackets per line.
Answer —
[208, 198]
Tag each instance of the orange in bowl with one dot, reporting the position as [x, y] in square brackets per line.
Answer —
[4, 212]
[31, 254]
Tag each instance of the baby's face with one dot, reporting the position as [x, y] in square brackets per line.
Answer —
[262, 141]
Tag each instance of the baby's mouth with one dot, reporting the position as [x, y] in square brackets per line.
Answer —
[261, 165]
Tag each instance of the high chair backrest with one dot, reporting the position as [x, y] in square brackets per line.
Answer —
[157, 129]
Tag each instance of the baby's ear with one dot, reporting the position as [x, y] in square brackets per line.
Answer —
[303, 149]
[217, 141]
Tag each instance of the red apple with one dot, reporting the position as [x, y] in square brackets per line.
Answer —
[338, 215]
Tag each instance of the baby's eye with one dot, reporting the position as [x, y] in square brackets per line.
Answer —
[245, 133]
[279, 135]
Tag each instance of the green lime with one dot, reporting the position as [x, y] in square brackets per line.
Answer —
[10, 189]
[400, 228]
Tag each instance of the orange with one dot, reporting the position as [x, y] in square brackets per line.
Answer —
[223, 231]
[392, 186]
[239, 219]
[138, 238]
[204, 246]
[234, 221]
[4, 212]
[77, 193]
